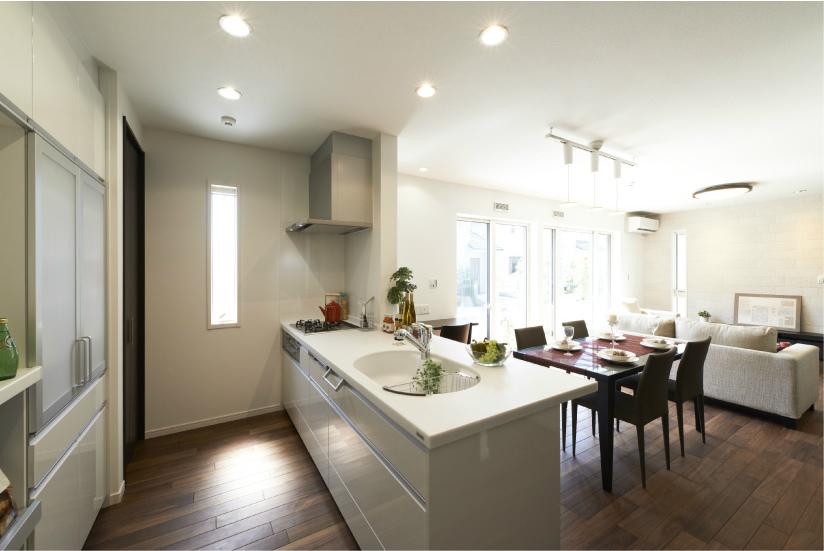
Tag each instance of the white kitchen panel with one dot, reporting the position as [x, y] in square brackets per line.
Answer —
[72, 493]
[50, 444]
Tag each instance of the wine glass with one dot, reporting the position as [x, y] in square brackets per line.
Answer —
[569, 332]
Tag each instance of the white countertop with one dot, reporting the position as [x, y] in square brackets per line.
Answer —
[504, 393]
[26, 376]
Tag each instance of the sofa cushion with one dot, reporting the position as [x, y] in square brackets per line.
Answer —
[751, 337]
[647, 324]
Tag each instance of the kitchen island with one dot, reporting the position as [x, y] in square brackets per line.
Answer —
[478, 468]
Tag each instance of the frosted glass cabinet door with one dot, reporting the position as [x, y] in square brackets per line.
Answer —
[54, 225]
[92, 277]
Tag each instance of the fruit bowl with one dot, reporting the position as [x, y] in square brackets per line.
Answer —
[489, 353]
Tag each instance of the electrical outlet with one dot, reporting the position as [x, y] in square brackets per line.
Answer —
[433, 283]
[422, 309]
[820, 279]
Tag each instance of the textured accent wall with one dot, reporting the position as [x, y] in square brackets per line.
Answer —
[774, 247]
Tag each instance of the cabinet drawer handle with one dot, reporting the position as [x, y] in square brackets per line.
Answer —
[334, 387]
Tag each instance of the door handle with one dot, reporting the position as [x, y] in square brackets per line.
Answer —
[88, 341]
[77, 367]
[328, 382]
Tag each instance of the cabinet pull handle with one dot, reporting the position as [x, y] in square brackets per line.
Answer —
[77, 379]
[88, 341]
[334, 387]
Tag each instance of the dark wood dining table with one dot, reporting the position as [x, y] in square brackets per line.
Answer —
[586, 362]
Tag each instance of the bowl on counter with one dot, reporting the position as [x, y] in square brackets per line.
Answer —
[489, 353]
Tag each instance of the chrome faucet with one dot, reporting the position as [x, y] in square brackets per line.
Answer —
[422, 342]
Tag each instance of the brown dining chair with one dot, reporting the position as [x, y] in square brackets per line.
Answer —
[688, 385]
[460, 333]
[527, 337]
[580, 328]
[648, 403]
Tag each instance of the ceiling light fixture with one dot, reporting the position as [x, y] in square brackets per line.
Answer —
[423, 169]
[494, 34]
[723, 191]
[425, 90]
[230, 93]
[235, 25]
[588, 148]
[568, 162]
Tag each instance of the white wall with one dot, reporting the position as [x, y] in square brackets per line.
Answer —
[775, 247]
[195, 376]
[371, 255]
[428, 209]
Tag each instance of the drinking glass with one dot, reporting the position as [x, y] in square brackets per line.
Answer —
[569, 332]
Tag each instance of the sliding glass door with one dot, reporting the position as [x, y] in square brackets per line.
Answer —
[510, 304]
[492, 277]
[473, 275]
[582, 280]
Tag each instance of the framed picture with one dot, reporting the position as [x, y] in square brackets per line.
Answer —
[779, 311]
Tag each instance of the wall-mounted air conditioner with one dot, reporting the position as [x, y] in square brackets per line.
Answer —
[641, 224]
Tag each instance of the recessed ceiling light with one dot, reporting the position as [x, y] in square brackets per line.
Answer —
[235, 25]
[426, 90]
[722, 191]
[494, 34]
[229, 93]
[423, 169]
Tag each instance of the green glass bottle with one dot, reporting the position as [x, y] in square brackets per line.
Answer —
[8, 352]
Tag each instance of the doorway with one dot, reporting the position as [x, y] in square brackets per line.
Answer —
[133, 292]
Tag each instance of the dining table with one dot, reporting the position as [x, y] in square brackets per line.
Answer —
[586, 362]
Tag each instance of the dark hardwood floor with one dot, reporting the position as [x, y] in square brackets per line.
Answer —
[251, 485]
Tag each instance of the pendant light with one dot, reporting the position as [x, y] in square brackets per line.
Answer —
[568, 162]
[617, 175]
[594, 167]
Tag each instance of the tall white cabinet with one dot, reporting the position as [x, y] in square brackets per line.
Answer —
[66, 336]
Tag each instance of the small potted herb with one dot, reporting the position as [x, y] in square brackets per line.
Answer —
[401, 292]
[704, 315]
[428, 377]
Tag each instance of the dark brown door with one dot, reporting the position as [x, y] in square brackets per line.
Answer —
[133, 293]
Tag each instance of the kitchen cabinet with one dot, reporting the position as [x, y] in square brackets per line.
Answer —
[364, 484]
[16, 61]
[73, 492]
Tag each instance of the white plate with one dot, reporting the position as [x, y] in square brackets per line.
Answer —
[656, 345]
[606, 354]
[608, 337]
[573, 347]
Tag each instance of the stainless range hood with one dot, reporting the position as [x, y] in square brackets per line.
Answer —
[340, 187]
[328, 227]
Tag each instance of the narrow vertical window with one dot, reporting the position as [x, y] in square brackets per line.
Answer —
[679, 294]
[223, 256]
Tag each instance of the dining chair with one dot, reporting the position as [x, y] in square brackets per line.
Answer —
[527, 337]
[688, 385]
[648, 403]
[460, 333]
[580, 328]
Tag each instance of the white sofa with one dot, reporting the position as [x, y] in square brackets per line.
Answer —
[742, 365]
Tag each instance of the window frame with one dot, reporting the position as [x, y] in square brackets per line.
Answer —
[236, 324]
[611, 243]
[677, 292]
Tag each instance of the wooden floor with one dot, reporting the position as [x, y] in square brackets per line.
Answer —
[251, 485]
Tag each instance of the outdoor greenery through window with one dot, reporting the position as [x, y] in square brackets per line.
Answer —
[223, 256]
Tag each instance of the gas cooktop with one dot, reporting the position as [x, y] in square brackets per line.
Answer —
[320, 326]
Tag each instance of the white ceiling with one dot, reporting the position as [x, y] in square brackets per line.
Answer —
[698, 93]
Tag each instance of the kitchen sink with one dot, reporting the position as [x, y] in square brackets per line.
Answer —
[395, 370]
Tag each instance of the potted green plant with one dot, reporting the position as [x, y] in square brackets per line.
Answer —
[401, 292]
[704, 315]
